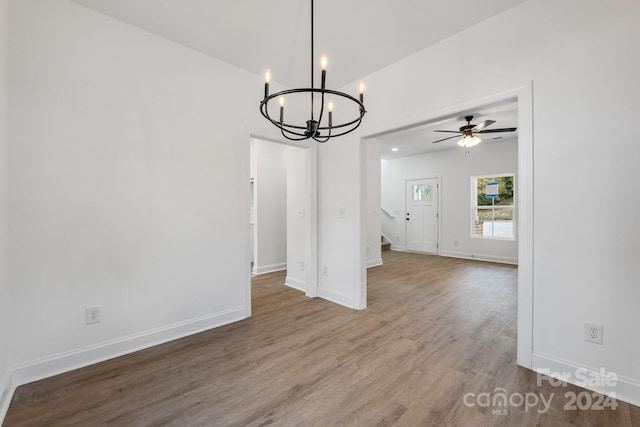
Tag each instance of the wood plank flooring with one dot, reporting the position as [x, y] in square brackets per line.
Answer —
[436, 329]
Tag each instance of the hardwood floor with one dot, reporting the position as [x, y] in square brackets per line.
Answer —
[436, 329]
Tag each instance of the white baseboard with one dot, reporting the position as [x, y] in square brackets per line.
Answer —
[625, 389]
[68, 361]
[7, 388]
[374, 262]
[397, 248]
[480, 257]
[295, 284]
[336, 297]
[264, 269]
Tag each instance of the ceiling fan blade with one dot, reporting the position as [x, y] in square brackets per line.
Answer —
[440, 140]
[449, 131]
[498, 130]
[483, 125]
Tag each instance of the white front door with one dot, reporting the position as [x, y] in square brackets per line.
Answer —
[422, 215]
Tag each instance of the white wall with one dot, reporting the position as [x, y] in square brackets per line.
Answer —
[296, 217]
[339, 236]
[128, 187]
[455, 169]
[270, 189]
[581, 61]
[4, 287]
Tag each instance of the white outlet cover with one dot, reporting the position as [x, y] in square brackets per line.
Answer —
[593, 332]
[92, 315]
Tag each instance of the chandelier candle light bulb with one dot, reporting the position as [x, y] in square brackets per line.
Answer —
[281, 108]
[267, 80]
[323, 66]
[330, 108]
[361, 87]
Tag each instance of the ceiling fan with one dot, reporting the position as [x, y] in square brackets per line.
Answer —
[469, 131]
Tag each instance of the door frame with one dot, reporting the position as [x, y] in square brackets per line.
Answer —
[523, 96]
[245, 134]
[438, 178]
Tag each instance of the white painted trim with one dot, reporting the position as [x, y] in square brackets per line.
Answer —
[75, 359]
[296, 284]
[360, 255]
[312, 222]
[270, 268]
[374, 262]
[524, 203]
[625, 389]
[397, 248]
[480, 257]
[524, 96]
[336, 297]
[7, 389]
[247, 235]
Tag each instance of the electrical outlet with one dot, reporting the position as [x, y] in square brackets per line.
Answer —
[301, 265]
[593, 332]
[92, 314]
[455, 243]
[325, 270]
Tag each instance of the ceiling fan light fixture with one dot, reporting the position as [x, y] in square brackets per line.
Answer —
[468, 132]
[469, 141]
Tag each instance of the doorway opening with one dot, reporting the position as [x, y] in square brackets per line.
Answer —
[282, 212]
[433, 183]
[519, 100]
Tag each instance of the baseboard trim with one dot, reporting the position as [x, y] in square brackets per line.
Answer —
[625, 389]
[480, 257]
[296, 284]
[397, 248]
[374, 262]
[7, 388]
[336, 297]
[264, 269]
[75, 359]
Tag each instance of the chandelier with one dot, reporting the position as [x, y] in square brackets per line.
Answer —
[320, 128]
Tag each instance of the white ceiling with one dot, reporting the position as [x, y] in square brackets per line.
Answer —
[419, 139]
[359, 36]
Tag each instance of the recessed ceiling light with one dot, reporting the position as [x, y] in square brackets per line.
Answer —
[394, 149]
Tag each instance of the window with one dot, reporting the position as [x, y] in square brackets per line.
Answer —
[493, 204]
[422, 192]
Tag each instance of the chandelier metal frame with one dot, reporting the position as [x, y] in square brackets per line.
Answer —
[314, 128]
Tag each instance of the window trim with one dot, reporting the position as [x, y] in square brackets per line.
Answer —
[475, 207]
